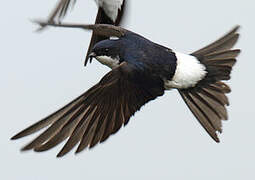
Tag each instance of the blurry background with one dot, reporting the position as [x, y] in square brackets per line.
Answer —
[41, 72]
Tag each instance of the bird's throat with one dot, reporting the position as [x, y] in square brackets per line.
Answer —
[109, 61]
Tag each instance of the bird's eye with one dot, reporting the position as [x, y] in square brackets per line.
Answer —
[106, 50]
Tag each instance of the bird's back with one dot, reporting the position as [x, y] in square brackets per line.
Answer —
[149, 56]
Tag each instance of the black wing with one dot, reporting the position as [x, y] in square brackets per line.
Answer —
[95, 115]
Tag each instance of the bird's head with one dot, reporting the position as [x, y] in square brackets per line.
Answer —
[107, 52]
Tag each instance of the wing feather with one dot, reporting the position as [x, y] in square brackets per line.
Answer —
[98, 113]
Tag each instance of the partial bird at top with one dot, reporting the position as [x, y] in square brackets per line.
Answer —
[141, 71]
[109, 12]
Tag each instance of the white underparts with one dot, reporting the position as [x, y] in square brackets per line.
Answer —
[110, 7]
[189, 71]
[108, 61]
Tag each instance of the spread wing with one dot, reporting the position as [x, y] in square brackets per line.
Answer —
[95, 115]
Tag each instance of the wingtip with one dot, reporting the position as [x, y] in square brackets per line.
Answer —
[39, 149]
[38, 22]
[16, 136]
[42, 25]
[26, 148]
[235, 31]
[60, 154]
[78, 151]
[216, 138]
[237, 27]
[29, 146]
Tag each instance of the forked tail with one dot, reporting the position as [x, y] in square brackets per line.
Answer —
[208, 100]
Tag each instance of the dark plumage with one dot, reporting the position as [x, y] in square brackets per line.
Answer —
[141, 71]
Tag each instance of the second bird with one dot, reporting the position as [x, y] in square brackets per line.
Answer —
[109, 12]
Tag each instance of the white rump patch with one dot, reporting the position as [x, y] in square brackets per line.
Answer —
[110, 7]
[108, 61]
[188, 72]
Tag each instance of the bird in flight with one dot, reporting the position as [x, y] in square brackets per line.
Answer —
[109, 12]
[141, 71]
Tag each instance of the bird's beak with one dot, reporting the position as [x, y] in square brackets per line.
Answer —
[91, 56]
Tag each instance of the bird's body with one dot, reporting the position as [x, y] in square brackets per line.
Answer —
[143, 53]
[176, 70]
[141, 71]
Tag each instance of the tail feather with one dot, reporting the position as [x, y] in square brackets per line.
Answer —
[220, 87]
[224, 43]
[200, 115]
[219, 97]
[208, 100]
[222, 54]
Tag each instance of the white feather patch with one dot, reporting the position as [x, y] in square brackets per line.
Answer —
[108, 61]
[188, 72]
[114, 38]
[110, 7]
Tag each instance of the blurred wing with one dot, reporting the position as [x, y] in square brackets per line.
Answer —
[61, 9]
[106, 30]
[59, 12]
[96, 114]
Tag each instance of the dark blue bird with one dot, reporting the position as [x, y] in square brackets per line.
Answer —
[141, 71]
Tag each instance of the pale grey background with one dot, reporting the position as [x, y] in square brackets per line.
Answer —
[41, 72]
